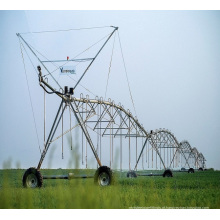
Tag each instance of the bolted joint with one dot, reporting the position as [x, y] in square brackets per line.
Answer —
[116, 28]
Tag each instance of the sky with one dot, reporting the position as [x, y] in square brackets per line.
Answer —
[172, 62]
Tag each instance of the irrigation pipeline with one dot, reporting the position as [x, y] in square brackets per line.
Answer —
[159, 140]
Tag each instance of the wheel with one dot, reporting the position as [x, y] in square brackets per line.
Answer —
[32, 178]
[183, 169]
[200, 169]
[131, 174]
[191, 170]
[168, 173]
[103, 176]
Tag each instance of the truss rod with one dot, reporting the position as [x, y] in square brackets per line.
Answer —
[115, 28]
[70, 60]
[39, 59]
[51, 134]
[141, 153]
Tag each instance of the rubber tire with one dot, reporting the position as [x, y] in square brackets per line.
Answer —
[200, 169]
[191, 170]
[131, 174]
[39, 178]
[168, 173]
[101, 170]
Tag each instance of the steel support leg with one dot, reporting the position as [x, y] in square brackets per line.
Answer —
[157, 151]
[51, 134]
[141, 153]
[173, 157]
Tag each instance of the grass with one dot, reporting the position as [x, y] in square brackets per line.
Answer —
[198, 190]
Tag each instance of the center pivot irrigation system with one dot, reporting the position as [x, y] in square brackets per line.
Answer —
[108, 129]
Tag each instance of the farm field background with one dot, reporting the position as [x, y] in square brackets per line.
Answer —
[198, 190]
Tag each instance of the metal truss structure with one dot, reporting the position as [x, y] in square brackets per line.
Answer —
[189, 160]
[108, 128]
[193, 159]
[201, 161]
[104, 118]
[167, 153]
[167, 147]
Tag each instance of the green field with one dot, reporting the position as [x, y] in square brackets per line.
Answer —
[198, 190]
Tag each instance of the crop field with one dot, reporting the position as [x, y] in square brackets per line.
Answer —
[198, 190]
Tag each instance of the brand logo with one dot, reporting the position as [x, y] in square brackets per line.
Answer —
[64, 70]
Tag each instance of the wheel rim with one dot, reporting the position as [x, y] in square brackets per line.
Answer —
[31, 181]
[104, 179]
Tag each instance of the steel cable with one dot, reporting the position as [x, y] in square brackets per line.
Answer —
[30, 97]
[110, 66]
[127, 75]
[74, 29]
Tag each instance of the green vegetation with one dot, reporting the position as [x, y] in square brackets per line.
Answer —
[198, 190]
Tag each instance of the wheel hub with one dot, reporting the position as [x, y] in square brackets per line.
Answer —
[31, 181]
[104, 179]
